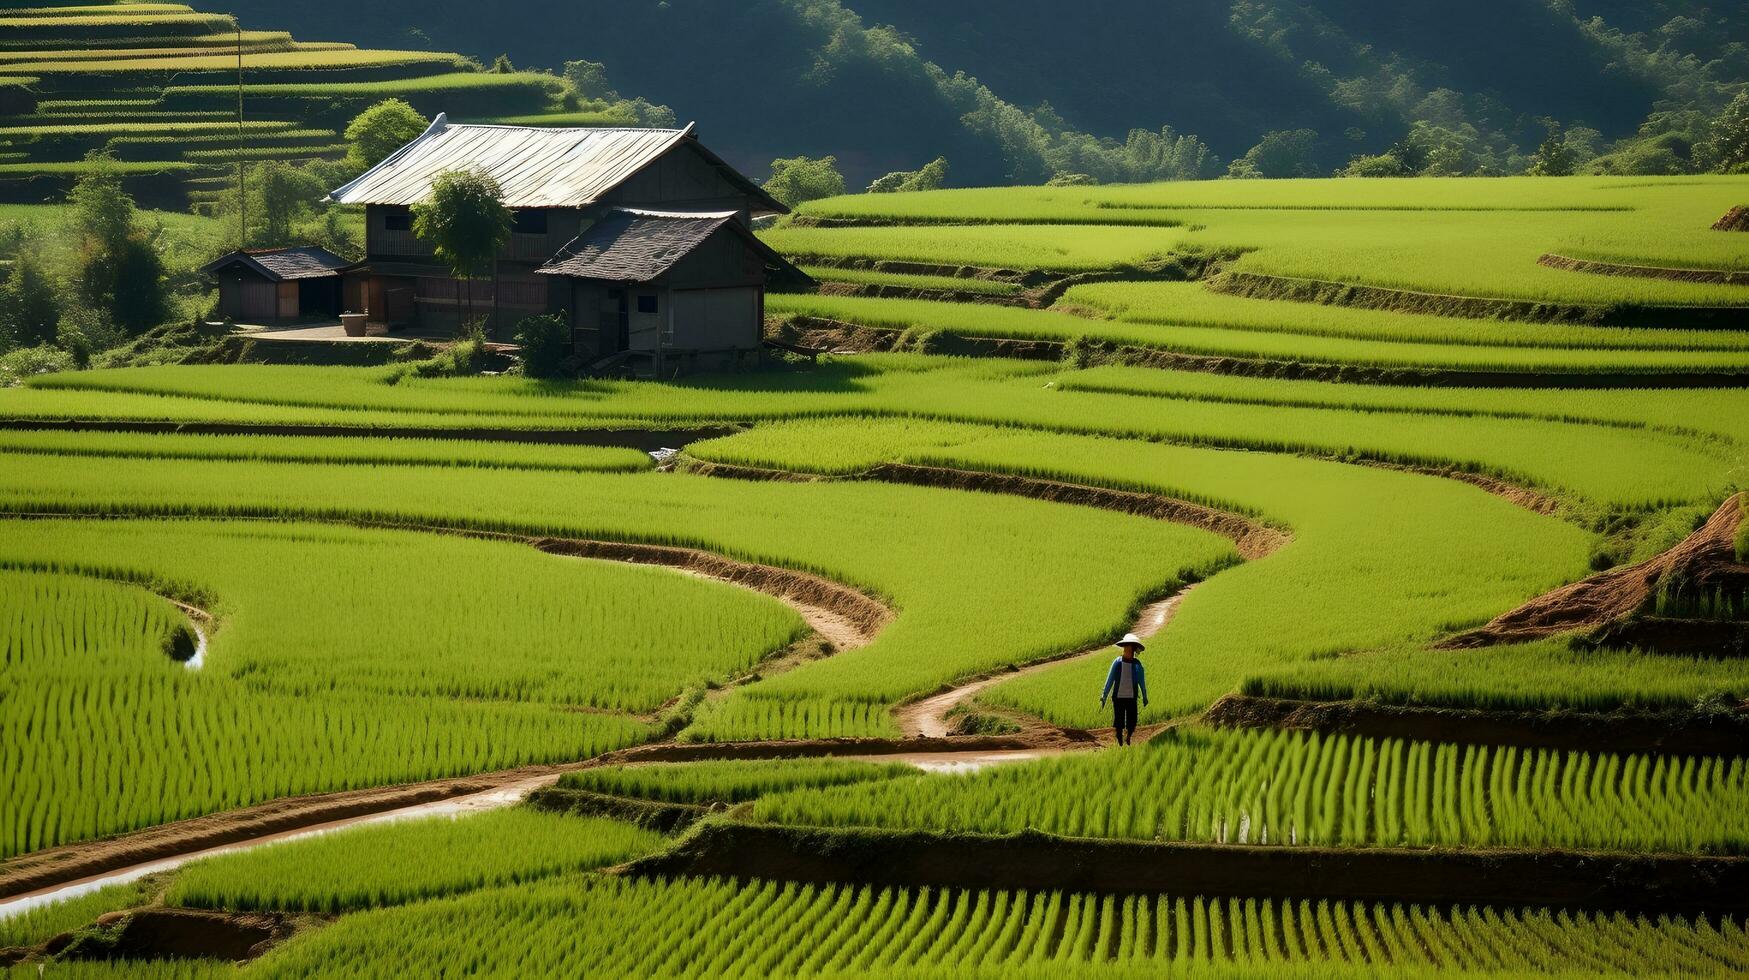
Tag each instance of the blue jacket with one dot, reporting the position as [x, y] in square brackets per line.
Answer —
[1111, 679]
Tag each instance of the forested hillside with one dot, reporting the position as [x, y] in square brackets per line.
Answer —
[892, 84]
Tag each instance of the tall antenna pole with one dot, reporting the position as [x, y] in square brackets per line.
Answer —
[242, 190]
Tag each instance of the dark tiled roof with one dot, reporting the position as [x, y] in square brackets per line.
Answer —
[283, 264]
[634, 246]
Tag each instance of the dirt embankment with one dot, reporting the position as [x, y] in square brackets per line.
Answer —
[1703, 559]
[1252, 538]
[1664, 733]
[1259, 286]
[838, 336]
[157, 933]
[1719, 277]
[1736, 219]
[848, 618]
[1033, 861]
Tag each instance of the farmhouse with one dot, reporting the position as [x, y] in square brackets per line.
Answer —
[640, 237]
[277, 284]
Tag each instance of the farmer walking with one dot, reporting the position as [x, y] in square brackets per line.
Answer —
[1125, 682]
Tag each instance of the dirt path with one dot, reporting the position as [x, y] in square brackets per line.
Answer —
[929, 718]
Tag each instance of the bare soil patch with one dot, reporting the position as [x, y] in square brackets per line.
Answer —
[1034, 861]
[1704, 558]
[1736, 219]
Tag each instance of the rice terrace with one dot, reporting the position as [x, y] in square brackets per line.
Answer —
[823, 488]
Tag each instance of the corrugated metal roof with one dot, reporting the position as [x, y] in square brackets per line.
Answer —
[535, 167]
[283, 264]
[634, 246]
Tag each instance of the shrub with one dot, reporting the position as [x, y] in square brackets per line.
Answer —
[1380, 165]
[795, 180]
[30, 303]
[381, 130]
[546, 345]
[26, 361]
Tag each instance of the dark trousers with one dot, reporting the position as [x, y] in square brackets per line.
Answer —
[1123, 718]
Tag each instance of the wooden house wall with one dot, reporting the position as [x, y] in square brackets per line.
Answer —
[724, 259]
[681, 179]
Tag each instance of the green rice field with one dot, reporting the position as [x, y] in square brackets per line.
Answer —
[228, 587]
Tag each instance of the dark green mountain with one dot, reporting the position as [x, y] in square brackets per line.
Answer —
[890, 84]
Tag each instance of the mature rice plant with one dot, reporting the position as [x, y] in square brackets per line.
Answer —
[410, 861]
[717, 928]
[955, 602]
[342, 658]
[1554, 446]
[1290, 788]
[1455, 237]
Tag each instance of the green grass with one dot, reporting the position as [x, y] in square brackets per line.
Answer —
[396, 863]
[718, 928]
[732, 781]
[1021, 247]
[1289, 788]
[342, 658]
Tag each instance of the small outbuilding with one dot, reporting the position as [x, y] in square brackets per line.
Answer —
[277, 284]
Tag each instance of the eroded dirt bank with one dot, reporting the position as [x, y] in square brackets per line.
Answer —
[1033, 861]
[838, 336]
[1707, 555]
[1723, 277]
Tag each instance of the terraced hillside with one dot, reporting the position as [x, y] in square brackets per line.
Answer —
[157, 86]
[1426, 497]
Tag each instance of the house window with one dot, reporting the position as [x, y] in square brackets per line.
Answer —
[532, 222]
[646, 302]
[397, 221]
